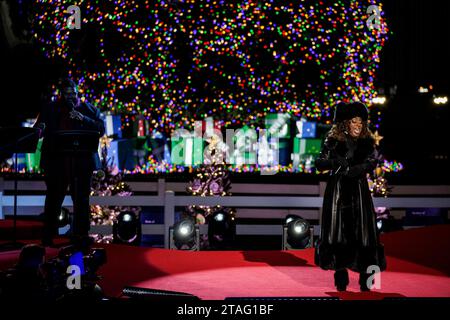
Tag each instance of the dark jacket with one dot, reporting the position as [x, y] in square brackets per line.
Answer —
[349, 237]
[50, 115]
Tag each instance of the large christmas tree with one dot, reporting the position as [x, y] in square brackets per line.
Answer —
[179, 61]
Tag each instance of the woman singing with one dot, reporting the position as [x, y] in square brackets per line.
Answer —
[349, 238]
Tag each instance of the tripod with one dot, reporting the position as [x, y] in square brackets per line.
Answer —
[16, 140]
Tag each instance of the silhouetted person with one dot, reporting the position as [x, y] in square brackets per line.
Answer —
[26, 280]
[67, 113]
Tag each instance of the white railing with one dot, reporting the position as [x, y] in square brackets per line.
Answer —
[169, 200]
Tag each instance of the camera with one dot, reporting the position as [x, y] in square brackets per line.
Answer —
[72, 274]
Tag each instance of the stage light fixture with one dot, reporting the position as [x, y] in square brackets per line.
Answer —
[379, 224]
[127, 228]
[221, 229]
[385, 222]
[388, 224]
[184, 235]
[219, 217]
[291, 217]
[297, 233]
[63, 217]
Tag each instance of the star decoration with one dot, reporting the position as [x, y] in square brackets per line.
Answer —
[377, 138]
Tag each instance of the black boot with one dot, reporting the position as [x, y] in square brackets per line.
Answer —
[341, 279]
[363, 281]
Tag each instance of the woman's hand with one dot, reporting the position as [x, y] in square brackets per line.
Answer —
[340, 162]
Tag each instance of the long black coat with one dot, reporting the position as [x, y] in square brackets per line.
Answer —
[348, 236]
[50, 115]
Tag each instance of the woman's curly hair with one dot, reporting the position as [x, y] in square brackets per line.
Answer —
[338, 130]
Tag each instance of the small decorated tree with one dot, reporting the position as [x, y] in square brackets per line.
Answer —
[108, 181]
[211, 179]
[378, 184]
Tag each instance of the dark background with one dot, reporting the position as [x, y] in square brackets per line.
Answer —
[417, 53]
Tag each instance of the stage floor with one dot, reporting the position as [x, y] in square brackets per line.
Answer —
[418, 266]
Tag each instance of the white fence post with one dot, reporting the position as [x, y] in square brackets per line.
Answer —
[169, 215]
[161, 187]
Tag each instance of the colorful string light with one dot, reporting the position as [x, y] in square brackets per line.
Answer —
[391, 166]
[179, 61]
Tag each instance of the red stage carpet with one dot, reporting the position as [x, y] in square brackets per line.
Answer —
[25, 229]
[418, 266]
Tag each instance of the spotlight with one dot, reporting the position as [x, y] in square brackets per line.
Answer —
[63, 217]
[379, 100]
[184, 235]
[440, 100]
[127, 228]
[379, 224]
[291, 217]
[388, 224]
[221, 229]
[219, 217]
[385, 221]
[297, 233]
